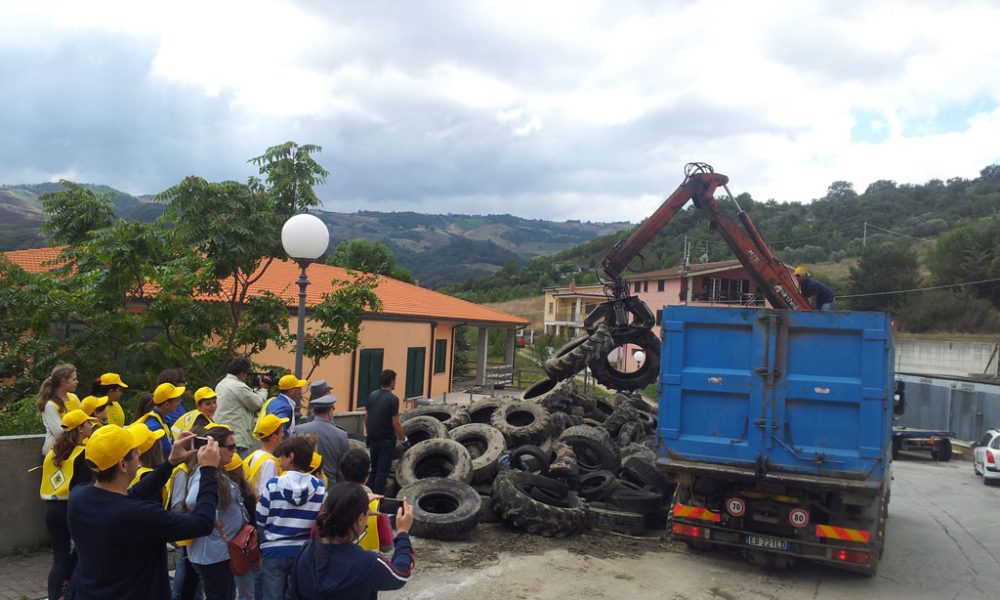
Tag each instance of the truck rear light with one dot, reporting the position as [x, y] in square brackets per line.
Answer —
[989, 457]
[688, 530]
[849, 556]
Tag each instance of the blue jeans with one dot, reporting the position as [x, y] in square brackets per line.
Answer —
[274, 577]
[382, 453]
[217, 579]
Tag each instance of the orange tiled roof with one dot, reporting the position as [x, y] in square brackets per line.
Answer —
[398, 298]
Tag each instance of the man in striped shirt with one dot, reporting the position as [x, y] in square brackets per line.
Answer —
[286, 512]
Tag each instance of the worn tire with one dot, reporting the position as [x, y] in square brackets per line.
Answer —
[421, 429]
[603, 517]
[617, 419]
[593, 448]
[630, 432]
[541, 458]
[566, 399]
[443, 509]
[435, 458]
[486, 512]
[610, 377]
[943, 451]
[480, 411]
[603, 408]
[646, 474]
[524, 512]
[522, 423]
[637, 403]
[572, 357]
[595, 485]
[485, 444]
[637, 451]
[452, 415]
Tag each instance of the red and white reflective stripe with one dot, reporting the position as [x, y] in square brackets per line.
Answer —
[696, 512]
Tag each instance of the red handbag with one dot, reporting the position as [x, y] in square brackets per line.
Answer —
[244, 549]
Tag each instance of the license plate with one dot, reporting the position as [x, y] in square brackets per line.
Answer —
[770, 543]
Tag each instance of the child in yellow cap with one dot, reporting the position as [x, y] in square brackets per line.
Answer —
[166, 397]
[112, 386]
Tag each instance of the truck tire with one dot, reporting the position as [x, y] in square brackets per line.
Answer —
[943, 450]
[646, 474]
[611, 377]
[485, 444]
[602, 517]
[513, 502]
[573, 356]
[436, 458]
[895, 448]
[603, 408]
[421, 429]
[595, 485]
[521, 423]
[539, 457]
[452, 415]
[443, 509]
[643, 501]
[617, 419]
[593, 448]
[480, 411]
[630, 432]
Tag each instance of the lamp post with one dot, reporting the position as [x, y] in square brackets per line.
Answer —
[304, 238]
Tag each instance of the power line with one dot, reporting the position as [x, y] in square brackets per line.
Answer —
[935, 287]
[897, 233]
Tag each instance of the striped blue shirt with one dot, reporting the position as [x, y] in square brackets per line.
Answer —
[287, 511]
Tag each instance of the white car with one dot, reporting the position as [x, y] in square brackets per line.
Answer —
[987, 457]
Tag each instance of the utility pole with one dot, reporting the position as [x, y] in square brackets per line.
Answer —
[864, 236]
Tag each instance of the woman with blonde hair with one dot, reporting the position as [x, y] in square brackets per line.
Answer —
[64, 468]
[55, 399]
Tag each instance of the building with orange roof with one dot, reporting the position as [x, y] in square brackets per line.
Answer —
[414, 334]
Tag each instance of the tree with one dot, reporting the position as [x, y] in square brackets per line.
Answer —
[290, 172]
[369, 256]
[884, 268]
[74, 212]
[969, 253]
[340, 315]
[841, 190]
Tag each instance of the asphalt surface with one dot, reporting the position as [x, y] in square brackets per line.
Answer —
[943, 542]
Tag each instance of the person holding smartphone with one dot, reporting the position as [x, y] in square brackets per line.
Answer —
[334, 566]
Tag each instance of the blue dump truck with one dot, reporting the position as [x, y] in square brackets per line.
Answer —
[777, 427]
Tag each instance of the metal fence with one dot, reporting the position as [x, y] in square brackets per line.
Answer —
[964, 407]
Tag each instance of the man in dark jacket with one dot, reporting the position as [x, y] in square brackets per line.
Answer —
[812, 288]
[382, 429]
[120, 533]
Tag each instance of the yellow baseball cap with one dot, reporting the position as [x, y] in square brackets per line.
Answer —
[148, 436]
[204, 393]
[234, 464]
[92, 403]
[112, 379]
[110, 444]
[220, 425]
[290, 382]
[74, 418]
[166, 391]
[267, 425]
[800, 270]
[316, 462]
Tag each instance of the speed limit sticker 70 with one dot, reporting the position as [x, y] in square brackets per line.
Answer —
[799, 517]
[735, 507]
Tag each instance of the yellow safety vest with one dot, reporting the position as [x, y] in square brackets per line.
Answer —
[72, 403]
[56, 480]
[252, 464]
[116, 416]
[167, 492]
[370, 541]
[187, 420]
[138, 475]
[169, 434]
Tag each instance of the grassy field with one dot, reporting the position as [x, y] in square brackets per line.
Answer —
[528, 308]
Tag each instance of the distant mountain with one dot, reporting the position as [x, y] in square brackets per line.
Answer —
[437, 249]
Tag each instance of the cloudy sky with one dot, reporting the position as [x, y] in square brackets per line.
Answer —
[553, 110]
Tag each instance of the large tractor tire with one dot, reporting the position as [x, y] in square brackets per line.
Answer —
[435, 458]
[609, 376]
[515, 502]
[577, 353]
[443, 509]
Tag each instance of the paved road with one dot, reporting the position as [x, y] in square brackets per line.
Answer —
[943, 541]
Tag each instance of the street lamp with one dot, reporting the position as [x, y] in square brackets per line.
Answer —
[304, 238]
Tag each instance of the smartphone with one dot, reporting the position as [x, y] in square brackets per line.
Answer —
[199, 442]
[389, 506]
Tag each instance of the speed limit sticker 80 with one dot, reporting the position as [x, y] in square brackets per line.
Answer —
[799, 517]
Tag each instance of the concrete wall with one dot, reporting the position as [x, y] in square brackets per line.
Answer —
[22, 512]
[961, 359]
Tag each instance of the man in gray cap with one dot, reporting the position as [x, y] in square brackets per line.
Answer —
[331, 441]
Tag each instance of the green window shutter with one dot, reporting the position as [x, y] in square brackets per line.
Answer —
[440, 356]
[369, 370]
[415, 358]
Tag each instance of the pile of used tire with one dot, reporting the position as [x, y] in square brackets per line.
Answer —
[554, 466]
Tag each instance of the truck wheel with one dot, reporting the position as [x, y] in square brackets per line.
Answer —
[452, 415]
[942, 451]
[895, 449]
[609, 376]
[443, 509]
[513, 502]
[574, 355]
[485, 444]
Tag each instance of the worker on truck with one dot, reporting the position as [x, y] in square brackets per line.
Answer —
[810, 287]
